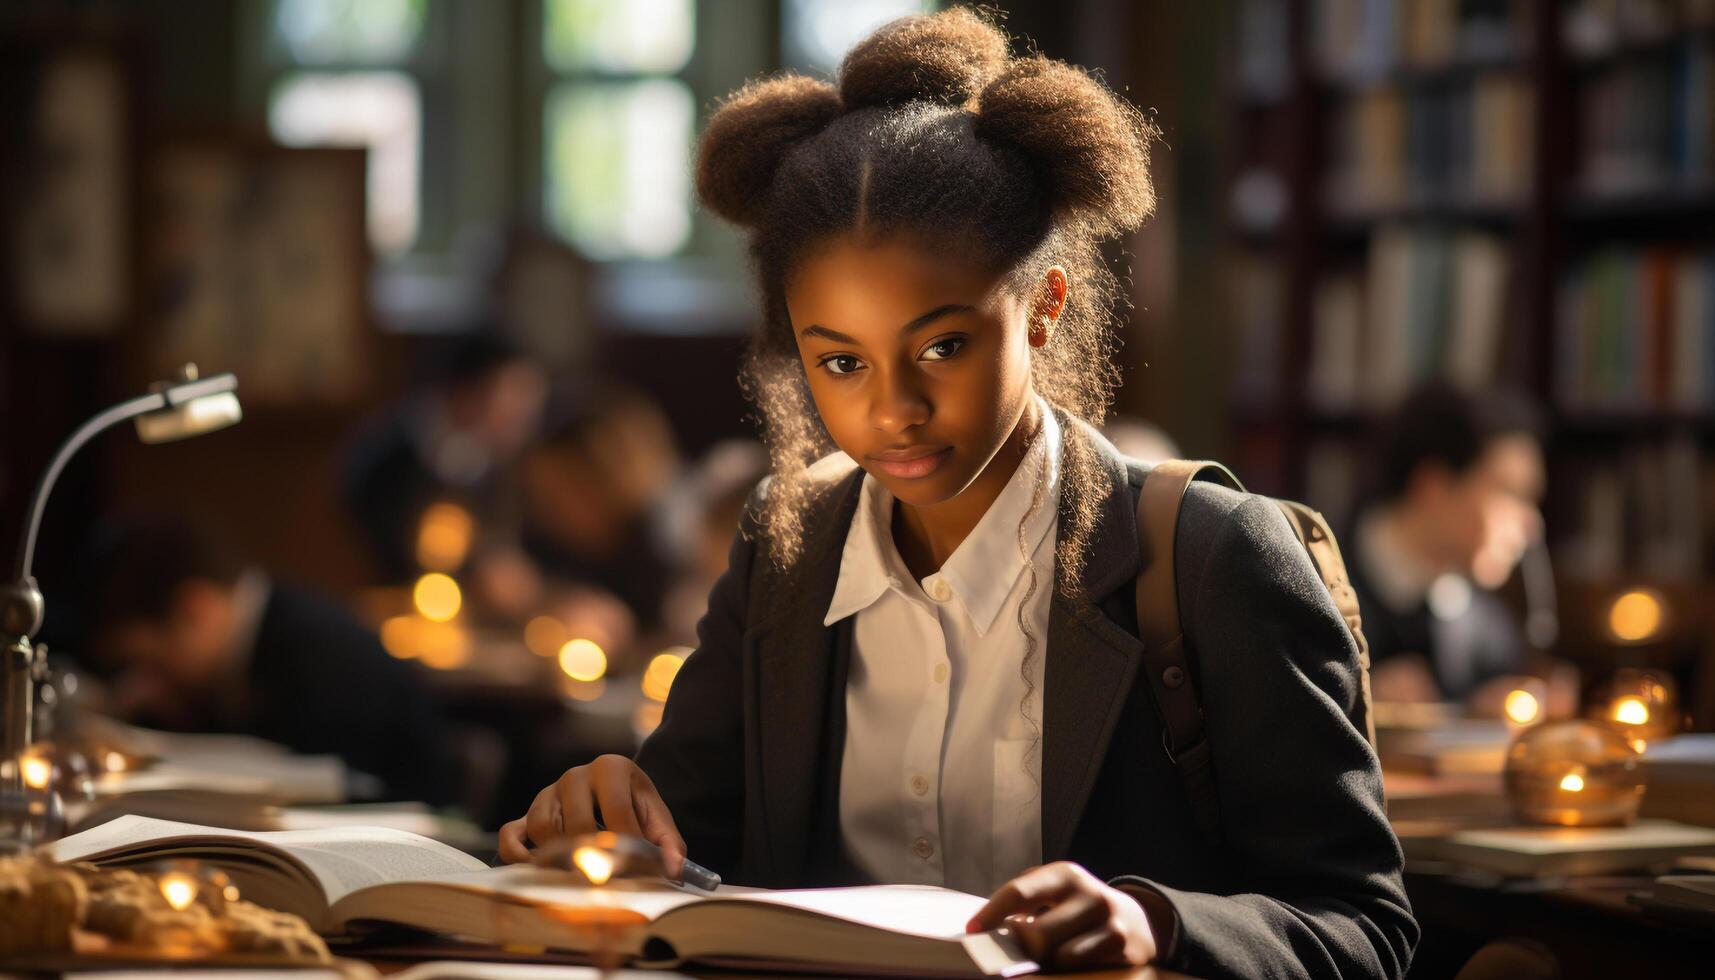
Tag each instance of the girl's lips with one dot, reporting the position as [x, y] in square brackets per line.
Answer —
[915, 468]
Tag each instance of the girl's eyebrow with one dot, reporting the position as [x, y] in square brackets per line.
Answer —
[816, 330]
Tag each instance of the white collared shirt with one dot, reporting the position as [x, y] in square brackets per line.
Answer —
[941, 779]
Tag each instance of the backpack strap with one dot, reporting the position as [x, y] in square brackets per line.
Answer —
[1164, 658]
[1312, 529]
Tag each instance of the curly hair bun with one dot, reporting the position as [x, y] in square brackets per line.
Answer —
[748, 136]
[946, 58]
[1091, 147]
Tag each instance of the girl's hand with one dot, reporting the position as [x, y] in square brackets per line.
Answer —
[1068, 919]
[624, 795]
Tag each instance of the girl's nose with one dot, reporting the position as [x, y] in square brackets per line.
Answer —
[899, 403]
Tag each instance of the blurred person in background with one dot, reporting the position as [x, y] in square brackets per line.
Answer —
[702, 518]
[193, 639]
[454, 439]
[1454, 510]
[593, 489]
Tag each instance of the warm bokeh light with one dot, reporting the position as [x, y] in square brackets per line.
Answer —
[646, 718]
[585, 690]
[1572, 783]
[398, 635]
[658, 678]
[583, 660]
[595, 863]
[545, 635]
[1635, 616]
[1522, 707]
[444, 537]
[443, 646]
[179, 889]
[36, 771]
[113, 762]
[1631, 711]
[437, 597]
[230, 893]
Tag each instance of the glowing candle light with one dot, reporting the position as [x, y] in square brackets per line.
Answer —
[595, 863]
[437, 597]
[1572, 783]
[583, 660]
[113, 762]
[36, 771]
[1631, 711]
[1522, 707]
[179, 889]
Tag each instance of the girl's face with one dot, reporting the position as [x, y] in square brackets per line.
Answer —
[919, 363]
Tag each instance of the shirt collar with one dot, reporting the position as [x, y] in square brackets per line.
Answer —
[984, 568]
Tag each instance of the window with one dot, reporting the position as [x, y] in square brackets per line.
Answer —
[619, 121]
[816, 34]
[348, 73]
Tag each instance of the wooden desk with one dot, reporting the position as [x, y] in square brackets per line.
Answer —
[1586, 923]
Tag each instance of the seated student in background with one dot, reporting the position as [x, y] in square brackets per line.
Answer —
[454, 438]
[195, 640]
[593, 485]
[1455, 508]
[921, 663]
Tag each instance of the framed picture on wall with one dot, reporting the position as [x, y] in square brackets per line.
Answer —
[69, 102]
[257, 262]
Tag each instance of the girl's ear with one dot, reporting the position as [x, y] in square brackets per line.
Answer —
[1048, 304]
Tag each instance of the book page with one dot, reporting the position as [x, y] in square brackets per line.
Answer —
[341, 859]
[912, 910]
[563, 889]
[1560, 840]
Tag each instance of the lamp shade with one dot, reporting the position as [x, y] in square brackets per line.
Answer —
[192, 418]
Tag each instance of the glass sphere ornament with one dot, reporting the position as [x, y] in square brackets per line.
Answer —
[1574, 774]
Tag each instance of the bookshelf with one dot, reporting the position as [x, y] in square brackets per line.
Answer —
[1498, 192]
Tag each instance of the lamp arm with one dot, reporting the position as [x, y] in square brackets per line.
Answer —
[140, 405]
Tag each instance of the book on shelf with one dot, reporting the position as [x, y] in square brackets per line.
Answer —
[341, 879]
[1635, 332]
[1427, 305]
[1366, 38]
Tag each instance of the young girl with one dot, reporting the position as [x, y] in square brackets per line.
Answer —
[923, 667]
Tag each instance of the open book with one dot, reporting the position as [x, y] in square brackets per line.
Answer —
[337, 877]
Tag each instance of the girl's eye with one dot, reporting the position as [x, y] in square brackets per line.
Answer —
[841, 364]
[940, 350]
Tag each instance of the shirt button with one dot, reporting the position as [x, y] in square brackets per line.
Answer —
[919, 784]
[940, 673]
[922, 848]
[940, 591]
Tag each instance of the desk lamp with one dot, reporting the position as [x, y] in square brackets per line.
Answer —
[178, 409]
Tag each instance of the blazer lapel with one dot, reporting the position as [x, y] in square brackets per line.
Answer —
[1091, 662]
[797, 661]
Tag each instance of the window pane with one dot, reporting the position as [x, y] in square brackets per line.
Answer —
[319, 32]
[618, 36]
[817, 33]
[618, 166]
[379, 110]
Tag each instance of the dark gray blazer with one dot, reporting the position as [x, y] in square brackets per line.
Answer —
[1308, 880]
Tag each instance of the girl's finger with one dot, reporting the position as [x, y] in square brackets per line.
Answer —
[542, 822]
[1104, 946]
[512, 847]
[612, 785]
[577, 811]
[659, 828]
[1028, 892]
[1074, 915]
